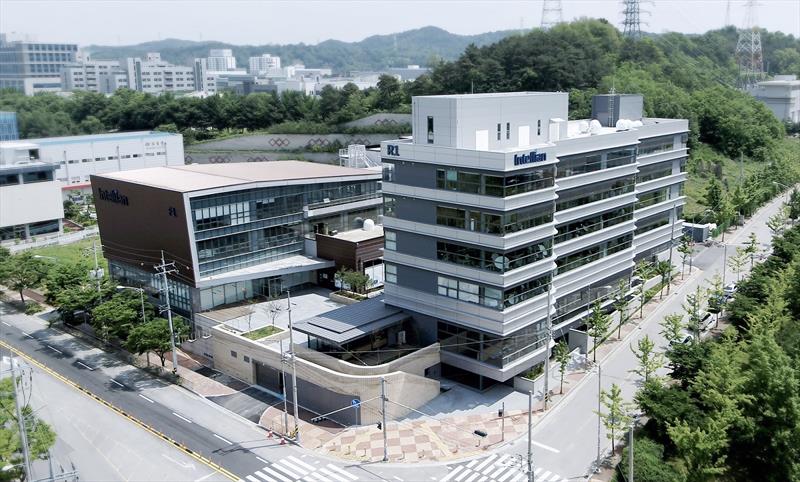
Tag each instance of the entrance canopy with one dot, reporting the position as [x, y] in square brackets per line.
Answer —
[352, 322]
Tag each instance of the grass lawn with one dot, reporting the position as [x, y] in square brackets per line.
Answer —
[262, 332]
[74, 253]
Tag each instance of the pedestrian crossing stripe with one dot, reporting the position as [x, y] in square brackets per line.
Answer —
[292, 469]
[497, 468]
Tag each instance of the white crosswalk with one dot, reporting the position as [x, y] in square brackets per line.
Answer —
[292, 469]
[497, 468]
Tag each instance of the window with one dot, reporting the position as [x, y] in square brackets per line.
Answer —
[388, 171]
[498, 131]
[9, 179]
[492, 260]
[390, 272]
[390, 240]
[38, 176]
[594, 223]
[539, 127]
[451, 217]
[234, 354]
[430, 129]
[389, 206]
[469, 292]
[497, 186]
[508, 130]
[246, 359]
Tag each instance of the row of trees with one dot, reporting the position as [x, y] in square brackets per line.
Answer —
[116, 315]
[730, 408]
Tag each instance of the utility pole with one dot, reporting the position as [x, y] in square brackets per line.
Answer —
[294, 369]
[630, 454]
[552, 13]
[283, 389]
[599, 424]
[163, 270]
[383, 415]
[23, 433]
[96, 272]
[672, 241]
[530, 434]
[503, 421]
[547, 348]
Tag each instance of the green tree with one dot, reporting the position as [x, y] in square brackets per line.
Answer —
[390, 94]
[686, 249]
[794, 205]
[154, 336]
[649, 359]
[118, 315]
[700, 449]
[353, 280]
[616, 417]
[64, 276]
[643, 271]
[716, 297]
[737, 262]
[597, 325]
[23, 271]
[41, 436]
[693, 307]
[561, 353]
[75, 303]
[672, 328]
[776, 222]
[665, 270]
[649, 462]
[622, 305]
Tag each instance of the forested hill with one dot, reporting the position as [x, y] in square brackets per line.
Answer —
[417, 46]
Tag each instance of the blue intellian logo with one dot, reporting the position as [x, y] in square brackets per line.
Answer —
[392, 150]
[112, 196]
[520, 159]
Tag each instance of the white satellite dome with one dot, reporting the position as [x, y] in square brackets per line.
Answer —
[624, 124]
[595, 126]
[369, 225]
[637, 123]
[583, 126]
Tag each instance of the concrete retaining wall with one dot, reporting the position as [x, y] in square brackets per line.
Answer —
[380, 119]
[288, 142]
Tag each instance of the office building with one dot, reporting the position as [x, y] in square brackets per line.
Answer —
[499, 212]
[154, 76]
[101, 76]
[204, 80]
[32, 67]
[30, 196]
[221, 60]
[264, 65]
[781, 95]
[9, 129]
[234, 231]
[76, 158]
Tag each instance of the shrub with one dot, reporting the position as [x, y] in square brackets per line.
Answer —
[649, 464]
[32, 307]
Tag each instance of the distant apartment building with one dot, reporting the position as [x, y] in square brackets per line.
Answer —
[220, 60]
[32, 67]
[408, 73]
[204, 80]
[101, 76]
[781, 95]
[500, 211]
[154, 76]
[9, 130]
[264, 64]
[30, 196]
[76, 158]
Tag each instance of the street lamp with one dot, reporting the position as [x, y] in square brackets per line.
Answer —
[141, 295]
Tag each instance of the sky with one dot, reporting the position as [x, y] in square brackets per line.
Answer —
[258, 22]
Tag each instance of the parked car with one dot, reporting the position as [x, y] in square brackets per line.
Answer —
[706, 321]
[729, 289]
[685, 339]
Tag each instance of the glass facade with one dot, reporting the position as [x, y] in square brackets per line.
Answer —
[656, 145]
[590, 224]
[593, 253]
[488, 348]
[489, 296]
[489, 260]
[573, 304]
[180, 297]
[595, 161]
[491, 223]
[595, 192]
[254, 226]
[654, 171]
[496, 186]
[8, 126]
[653, 197]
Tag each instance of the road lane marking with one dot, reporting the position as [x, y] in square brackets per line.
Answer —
[452, 474]
[342, 471]
[85, 366]
[6, 323]
[473, 477]
[486, 462]
[301, 463]
[275, 474]
[29, 336]
[546, 447]
[182, 418]
[118, 383]
[398, 478]
[259, 458]
[331, 475]
[252, 479]
[55, 349]
[201, 479]
[289, 469]
[148, 400]
[264, 477]
[221, 438]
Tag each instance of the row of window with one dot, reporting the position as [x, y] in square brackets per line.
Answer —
[595, 192]
[654, 171]
[652, 197]
[594, 223]
[496, 186]
[593, 253]
[652, 222]
[49, 57]
[492, 260]
[27, 178]
[499, 224]
[656, 145]
[491, 349]
[489, 297]
[573, 165]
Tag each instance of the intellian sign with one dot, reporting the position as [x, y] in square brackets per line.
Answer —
[112, 196]
[520, 159]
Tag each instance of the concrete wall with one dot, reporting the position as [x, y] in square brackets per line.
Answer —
[30, 203]
[288, 142]
[380, 119]
[409, 389]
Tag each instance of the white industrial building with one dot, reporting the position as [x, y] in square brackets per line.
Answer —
[30, 196]
[76, 158]
[154, 76]
[264, 64]
[781, 95]
[102, 76]
[220, 60]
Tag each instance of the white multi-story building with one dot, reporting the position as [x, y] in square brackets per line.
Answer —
[500, 211]
[30, 196]
[102, 76]
[781, 95]
[154, 76]
[264, 64]
[204, 80]
[221, 60]
[76, 158]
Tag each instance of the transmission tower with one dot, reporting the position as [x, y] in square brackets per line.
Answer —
[552, 13]
[749, 55]
[632, 23]
[727, 13]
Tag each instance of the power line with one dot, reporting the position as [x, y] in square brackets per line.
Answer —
[632, 22]
[749, 55]
[552, 13]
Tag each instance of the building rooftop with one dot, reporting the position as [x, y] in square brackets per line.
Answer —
[490, 95]
[198, 177]
[358, 235]
[117, 136]
[353, 321]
